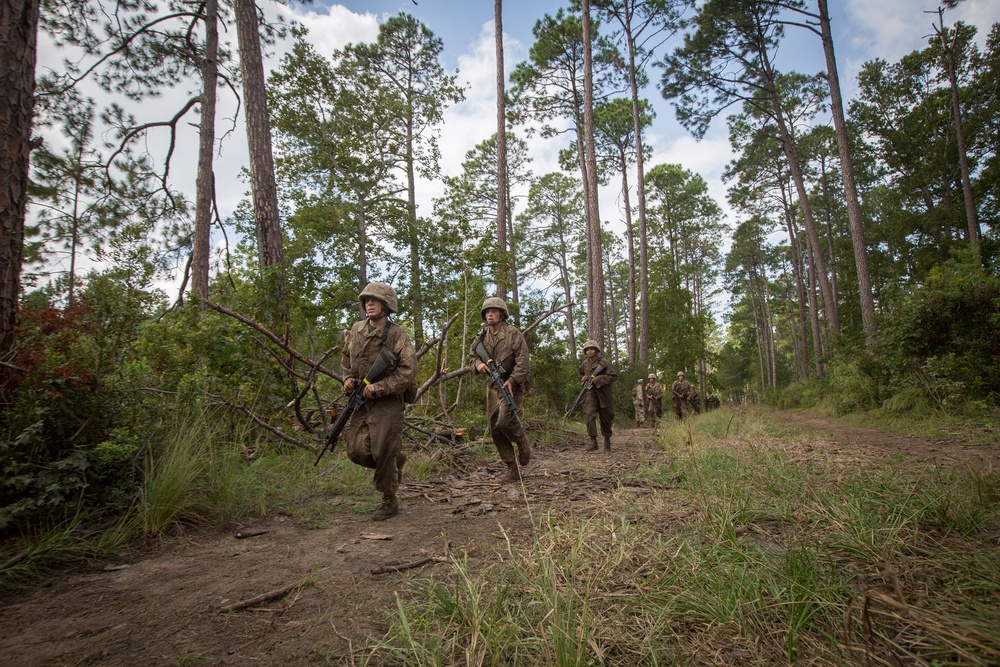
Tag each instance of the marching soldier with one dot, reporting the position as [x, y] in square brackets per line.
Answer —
[599, 402]
[375, 434]
[681, 391]
[638, 392]
[654, 399]
[505, 343]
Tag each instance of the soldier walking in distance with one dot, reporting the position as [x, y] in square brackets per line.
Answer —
[654, 399]
[506, 345]
[638, 394]
[375, 434]
[598, 402]
[681, 392]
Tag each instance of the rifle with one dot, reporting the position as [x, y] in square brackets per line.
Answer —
[496, 377]
[356, 399]
[586, 385]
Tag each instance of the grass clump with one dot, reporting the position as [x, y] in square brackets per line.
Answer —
[761, 545]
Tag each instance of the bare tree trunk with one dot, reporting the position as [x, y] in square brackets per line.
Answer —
[630, 337]
[205, 184]
[963, 155]
[270, 247]
[362, 242]
[640, 209]
[792, 155]
[595, 254]
[814, 315]
[502, 207]
[18, 42]
[850, 185]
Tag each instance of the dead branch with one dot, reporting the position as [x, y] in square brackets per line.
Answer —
[298, 356]
[260, 422]
[408, 566]
[264, 597]
[545, 315]
[430, 434]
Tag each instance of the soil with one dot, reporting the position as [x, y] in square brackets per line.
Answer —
[167, 606]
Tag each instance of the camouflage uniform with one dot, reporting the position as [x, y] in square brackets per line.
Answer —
[598, 402]
[654, 399]
[510, 351]
[680, 390]
[637, 400]
[375, 434]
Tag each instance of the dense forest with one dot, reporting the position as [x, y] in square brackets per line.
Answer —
[860, 269]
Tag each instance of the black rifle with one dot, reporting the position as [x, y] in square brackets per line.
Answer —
[385, 360]
[586, 385]
[496, 377]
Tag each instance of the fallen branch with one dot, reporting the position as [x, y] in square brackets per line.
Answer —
[384, 569]
[260, 422]
[264, 597]
[277, 340]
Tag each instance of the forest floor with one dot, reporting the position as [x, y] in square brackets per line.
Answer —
[166, 605]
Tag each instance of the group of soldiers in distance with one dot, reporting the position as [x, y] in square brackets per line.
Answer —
[375, 430]
[648, 400]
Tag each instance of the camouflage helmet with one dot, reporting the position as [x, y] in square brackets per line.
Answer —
[494, 302]
[680, 374]
[381, 291]
[652, 376]
[592, 343]
[638, 381]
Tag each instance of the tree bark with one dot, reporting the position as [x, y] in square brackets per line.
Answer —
[501, 152]
[18, 50]
[640, 169]
[205, 184]
[963, 155]
[850, 185]
[270, 248]
[594, 251]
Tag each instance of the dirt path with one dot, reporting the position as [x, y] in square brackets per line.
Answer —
[163, 608]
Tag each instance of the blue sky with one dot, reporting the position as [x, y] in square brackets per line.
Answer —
[863, 30]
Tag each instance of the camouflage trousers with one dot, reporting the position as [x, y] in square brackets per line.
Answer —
[640, 412]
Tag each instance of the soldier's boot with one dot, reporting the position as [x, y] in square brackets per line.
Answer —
[592, 447]
[523, 451]
[607, 444]
[400, 462]
[513, 473]
[388, 509]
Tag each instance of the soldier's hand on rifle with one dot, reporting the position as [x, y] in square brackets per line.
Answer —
[509, 387]
[369, 391]
[348, 385]
[482, 368]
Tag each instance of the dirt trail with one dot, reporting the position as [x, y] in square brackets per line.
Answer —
[162, 608]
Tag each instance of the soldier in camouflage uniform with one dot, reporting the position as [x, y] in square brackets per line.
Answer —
[654, 399]
[505, 343]
[680, 390]
[638, 393]
[375, 434]
[599, 401]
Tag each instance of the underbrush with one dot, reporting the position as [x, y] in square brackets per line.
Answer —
[757, 546]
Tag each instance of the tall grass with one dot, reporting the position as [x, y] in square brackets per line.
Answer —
[762, 548]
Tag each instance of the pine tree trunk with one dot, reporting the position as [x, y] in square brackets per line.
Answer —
[18, 43]
[502, 207]
[640, 210]
[850, 185]
[205, 184]
[595, 254]
[270, 248]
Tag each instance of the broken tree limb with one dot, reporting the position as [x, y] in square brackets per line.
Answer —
[277, 340]
[260, 422]
[543, 316]
[384, 569]
[264, 597]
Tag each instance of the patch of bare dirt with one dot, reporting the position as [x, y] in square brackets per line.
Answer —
[865, 442]
[163, 608]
